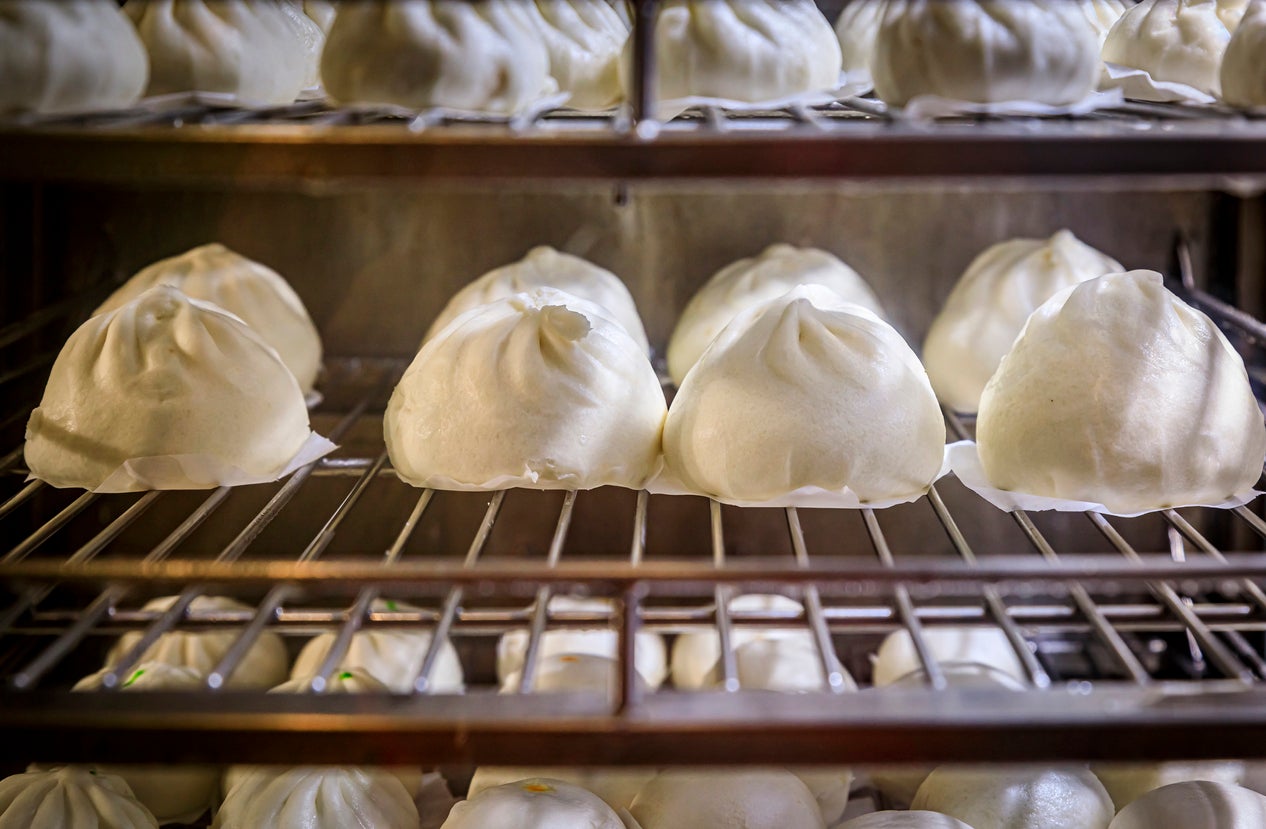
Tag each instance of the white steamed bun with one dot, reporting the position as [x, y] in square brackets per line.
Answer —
[73, 55]
[985, 51]
[1199, 804]
[996, 797]
[565, 673]
[616, 785]
[952, 647]
[650, 658]
[585, 39]
[1119, 393]
[1103, 15]
[325, 797]
[1243, 70]
[990, 304]
[986, 648]
[541, 390]
[743, 50]
[322, 13]
[904, 820]
[263, 666]
[788, 665]
[165, 375]
[737, 798]
[537, 803]
[753, 281]
[485, 55]
[806, 390]
[1127, 782]
[1180, 41]
[391, 656]
[261, 51]
[175, 794]
[544, 267]
[70, 797]
[856, 29]
[253, 292]
[696, 654]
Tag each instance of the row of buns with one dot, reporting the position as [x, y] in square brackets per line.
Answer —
[1092, 384]
[502, 56]
[1053, 51]
[582, 660]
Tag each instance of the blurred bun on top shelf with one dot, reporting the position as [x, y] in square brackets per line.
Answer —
[985, 51]
[69, 56]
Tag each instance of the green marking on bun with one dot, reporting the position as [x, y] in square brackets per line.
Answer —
[135, 676]
[391, 605]
[345, 675]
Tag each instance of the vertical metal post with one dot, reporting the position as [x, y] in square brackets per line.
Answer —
[642, 92]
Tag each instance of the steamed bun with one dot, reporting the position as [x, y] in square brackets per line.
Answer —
[964, 647]
[1127, 782]
[324, 797]
[985, 51]
[1195, 805]
[1181, 41]
[175, 794]
[544, 267]
[990, 304]
[743, 50]
[253, 292]
[1118, 392]
[537, 803]
[1017, 798]
[69, 56]
[70, 797]
[571, 673]
[391, 656]
[856, 29]
[1243, 70]
[263, 666]
[806, 390]
[541, 390]
[750, 282]
[585, 39]
[261, 51]
[697, 652]
[725, 799]
[1103, 15]
[165, 375]
[650, 658]
[787, 665]
[485, 56]
[616, 785]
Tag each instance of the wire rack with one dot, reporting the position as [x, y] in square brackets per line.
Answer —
[196, 137]
[1137, 653]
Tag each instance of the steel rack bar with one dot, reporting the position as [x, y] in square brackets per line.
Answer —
[540, 608]
[364, 599]
[1209, 643]
[220, 674]
[452, 603]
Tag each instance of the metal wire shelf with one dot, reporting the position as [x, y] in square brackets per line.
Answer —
[194, 139]
[1141, 653]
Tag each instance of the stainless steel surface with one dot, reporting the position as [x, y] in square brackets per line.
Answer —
[1103, 635]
